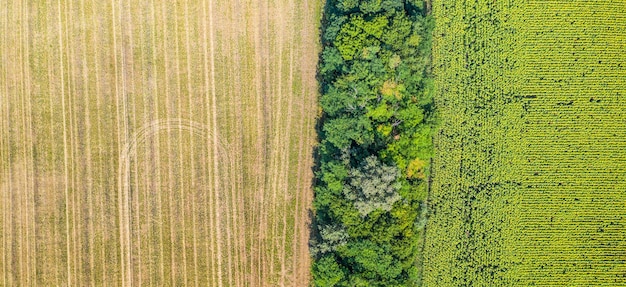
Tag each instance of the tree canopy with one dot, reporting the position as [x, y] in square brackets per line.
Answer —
[375, 142]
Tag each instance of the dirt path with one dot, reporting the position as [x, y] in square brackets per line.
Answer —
[213, 124]
[192, 153]
[232, 94]
[4, 153]
[4, 181]
[65, 151]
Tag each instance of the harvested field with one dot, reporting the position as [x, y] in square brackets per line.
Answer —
[156, 143]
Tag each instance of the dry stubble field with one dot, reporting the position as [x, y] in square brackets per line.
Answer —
[156, 142]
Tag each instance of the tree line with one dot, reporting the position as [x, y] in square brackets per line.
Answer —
[375, 142]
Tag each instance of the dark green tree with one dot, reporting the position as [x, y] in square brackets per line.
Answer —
[327, 273]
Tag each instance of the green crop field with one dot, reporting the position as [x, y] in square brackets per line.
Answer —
[157, 143]
[529, 177]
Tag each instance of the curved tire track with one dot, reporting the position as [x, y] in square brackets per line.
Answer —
[129, 151]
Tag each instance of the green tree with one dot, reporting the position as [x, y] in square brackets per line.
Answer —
[327, 273]
[336, 102]
[331, 237]
[395, 35]
[359, 33]
[372, 186]
[374, 262]
[370, 6]
[347, 5]
[332, 62]
[343, 132]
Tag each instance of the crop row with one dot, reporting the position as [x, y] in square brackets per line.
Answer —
[529, 174]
